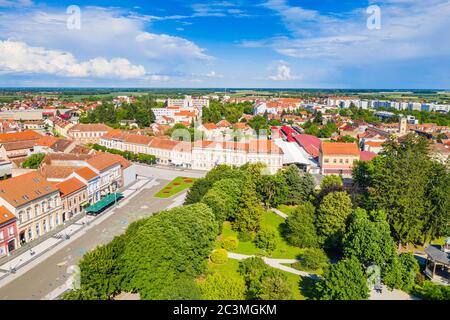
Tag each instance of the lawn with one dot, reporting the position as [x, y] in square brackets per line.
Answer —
[271, 220]
[175, 186]
[231, 268]
[286, 209]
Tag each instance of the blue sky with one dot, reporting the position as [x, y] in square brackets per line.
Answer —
[230, 43]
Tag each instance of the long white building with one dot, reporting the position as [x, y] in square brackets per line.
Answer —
[201, 155]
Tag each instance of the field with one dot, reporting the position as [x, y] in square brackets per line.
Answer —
[269, 220]
[175, 186]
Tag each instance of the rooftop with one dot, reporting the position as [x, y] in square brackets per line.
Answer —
[70, 186]
[22, 189]
[340, 148]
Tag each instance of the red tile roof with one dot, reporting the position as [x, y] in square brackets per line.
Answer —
[19, 136]
[86, 173]
[339, 148]
[70, 186]
[22, 189]
[366, 155]
[6, 215]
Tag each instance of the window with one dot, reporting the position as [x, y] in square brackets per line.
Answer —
[341, 161]
[1, 235]
[57, 220]
[334, 160]
[44, 223]
[326, 160]
[37, 230]
[11, 231]
[30, 234]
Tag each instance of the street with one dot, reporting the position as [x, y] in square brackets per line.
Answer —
[42, 278]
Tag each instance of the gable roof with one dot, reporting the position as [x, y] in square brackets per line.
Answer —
[87, 127]
[25, 188]
[19, 136]
[340, 148]
[6, 215]
[70, 186]
[102, 161]
[86, 173]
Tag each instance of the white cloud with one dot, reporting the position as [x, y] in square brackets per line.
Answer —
[409, 29]
[18, 57]
[105, 32]
[16, 3]
[283, 72]
[157, 46]
[214, 74]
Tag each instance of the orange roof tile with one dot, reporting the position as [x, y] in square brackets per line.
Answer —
[86, 173]
[22, 189]
[88, 127]
[46, 141]
[341, 148]
[103, 161]
[70, 186]
[6, 215]
[19, 136]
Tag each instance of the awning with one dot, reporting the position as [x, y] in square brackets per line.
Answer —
[106, 201]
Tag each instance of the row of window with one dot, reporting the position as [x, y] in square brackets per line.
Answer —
[10, 233]
[38, 209]
[336, 161]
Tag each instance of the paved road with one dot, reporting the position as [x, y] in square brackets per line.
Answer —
[47, 275]
[167, 173]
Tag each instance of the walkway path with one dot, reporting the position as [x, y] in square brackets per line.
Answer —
[280, 213]
[276, 263]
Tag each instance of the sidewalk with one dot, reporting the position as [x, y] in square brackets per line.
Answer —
[64, 236]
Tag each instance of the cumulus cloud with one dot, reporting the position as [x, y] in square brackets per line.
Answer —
[283, 72]
[409, 29]
[163, 46]
[105, 32]
[18, 57]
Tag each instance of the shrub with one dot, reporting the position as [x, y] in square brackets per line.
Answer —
[432, 291]
[230, 243]
[219, 256]
[245, 236]
[266, 239]
[313, 259]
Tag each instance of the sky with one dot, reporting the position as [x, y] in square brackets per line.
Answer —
[358, 44]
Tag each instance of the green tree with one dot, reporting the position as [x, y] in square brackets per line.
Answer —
[273, 189]
[332, 216]
[313, 259]
[344, 280]
[368, 238]
[401, 181]
[266, 239]
[401, 272]
[33, 161]
[300, 187]
[249, 212]
[331, 181]
[300, 225]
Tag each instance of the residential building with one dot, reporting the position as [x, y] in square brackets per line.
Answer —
[73, 193]
[8, 231]
[17, 144]
[34, 201]
[88, 133]
[338, 157]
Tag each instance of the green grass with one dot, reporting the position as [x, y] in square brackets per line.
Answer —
[270, 220]
[175, 186]
[231, 268]
[286, 209]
